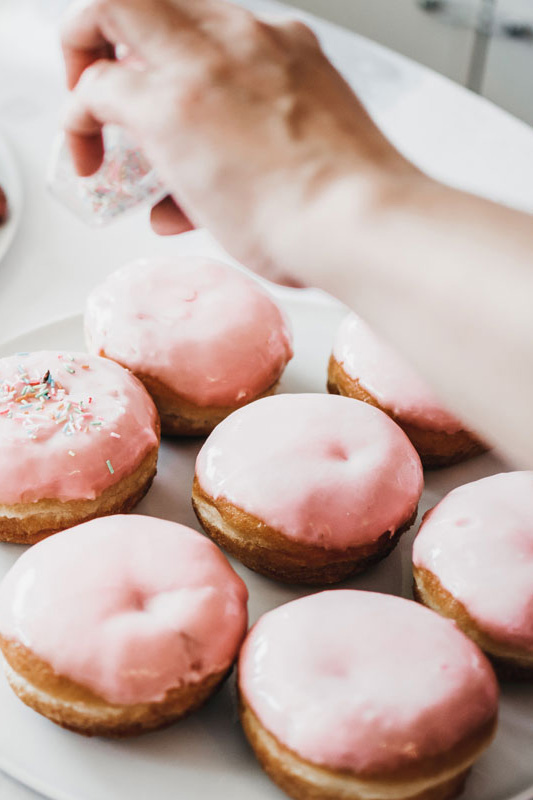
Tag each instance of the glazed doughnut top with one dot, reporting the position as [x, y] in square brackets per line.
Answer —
[478, 542]
[388, 378]
[322, 469]
[127, 606]
[365, 682]
[202, 328]
[71, 425]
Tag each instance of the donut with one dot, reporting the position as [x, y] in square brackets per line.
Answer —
[120, 625]
[473, 562]
[350, 694]
[203, 337]
[307, 488]
[3, 206]
[80, 437]
[365, 368]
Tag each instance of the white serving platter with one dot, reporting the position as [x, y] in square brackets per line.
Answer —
[206, 756]
[11, 183]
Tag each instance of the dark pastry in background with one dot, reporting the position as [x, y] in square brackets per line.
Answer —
[3, 206]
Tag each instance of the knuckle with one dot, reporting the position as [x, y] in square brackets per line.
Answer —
[262, 31]
[188, 93]
[193, 84]
[97, 9]
[92, 74]
[301, 32]
[102, 6]
[106, 7]
[251, 31]
[243, 21]
[74, 19]
[255, 27]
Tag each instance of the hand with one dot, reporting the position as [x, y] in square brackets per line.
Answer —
[246, 122]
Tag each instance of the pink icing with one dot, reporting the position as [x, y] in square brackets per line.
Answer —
[388, 378]
[478, 541]
[363, 681]
[319, 468]
[72, 433]
[201, 327]
[128, 606]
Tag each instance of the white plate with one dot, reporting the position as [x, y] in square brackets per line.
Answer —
[206, 756]
[12, 185]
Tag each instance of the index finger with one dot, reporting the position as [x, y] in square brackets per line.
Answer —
[148, 28]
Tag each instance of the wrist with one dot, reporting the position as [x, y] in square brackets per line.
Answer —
[329, 236]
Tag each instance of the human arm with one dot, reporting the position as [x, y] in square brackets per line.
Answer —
[261, 141]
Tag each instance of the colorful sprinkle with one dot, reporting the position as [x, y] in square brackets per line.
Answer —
[124, 180]
[110, 467]
[39, 401]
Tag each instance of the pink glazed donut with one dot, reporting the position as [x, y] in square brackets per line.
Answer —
[307, 488]
[473, 562]
[80, 437]
[203, 337]
[120, 625]
[365, 368]
[360, 695]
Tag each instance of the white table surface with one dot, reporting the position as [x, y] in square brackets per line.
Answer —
[55, 260]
